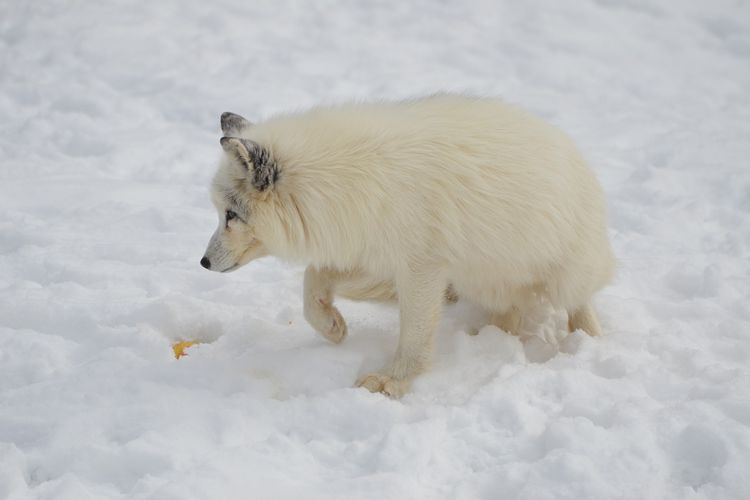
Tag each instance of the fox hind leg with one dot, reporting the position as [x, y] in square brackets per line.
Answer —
[508, 320]
[584, 318]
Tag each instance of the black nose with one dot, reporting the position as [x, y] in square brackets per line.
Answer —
[206, 263]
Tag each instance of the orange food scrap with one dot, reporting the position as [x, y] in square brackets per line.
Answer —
[179, 348]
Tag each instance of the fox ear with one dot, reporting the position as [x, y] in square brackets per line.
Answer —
[255, 159]
[232, 124]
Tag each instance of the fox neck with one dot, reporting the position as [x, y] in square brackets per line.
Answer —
[299, 231]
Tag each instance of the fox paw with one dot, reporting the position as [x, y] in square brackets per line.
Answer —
[327, 321]
[385, 384]
[337, 330]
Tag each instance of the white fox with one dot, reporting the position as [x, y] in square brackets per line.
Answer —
[415, 200]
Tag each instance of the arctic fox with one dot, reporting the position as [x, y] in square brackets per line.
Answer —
[415, 200]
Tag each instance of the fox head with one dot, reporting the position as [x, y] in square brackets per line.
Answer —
[240, 190]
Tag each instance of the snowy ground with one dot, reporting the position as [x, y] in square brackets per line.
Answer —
[109, 136]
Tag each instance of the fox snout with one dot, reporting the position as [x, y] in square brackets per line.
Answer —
[216, 257]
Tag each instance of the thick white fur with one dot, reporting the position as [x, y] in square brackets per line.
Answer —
[403, 198]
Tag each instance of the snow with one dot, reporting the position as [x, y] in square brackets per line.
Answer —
[109, 137]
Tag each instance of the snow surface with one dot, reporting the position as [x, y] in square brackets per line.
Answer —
[109, 136]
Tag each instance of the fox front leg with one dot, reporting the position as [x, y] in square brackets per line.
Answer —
[319, 310]
[421, 295]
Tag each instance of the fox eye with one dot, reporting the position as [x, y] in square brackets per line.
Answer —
[230, 215]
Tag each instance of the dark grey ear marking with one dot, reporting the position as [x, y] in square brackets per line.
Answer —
[233, 124]
[255, 158]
